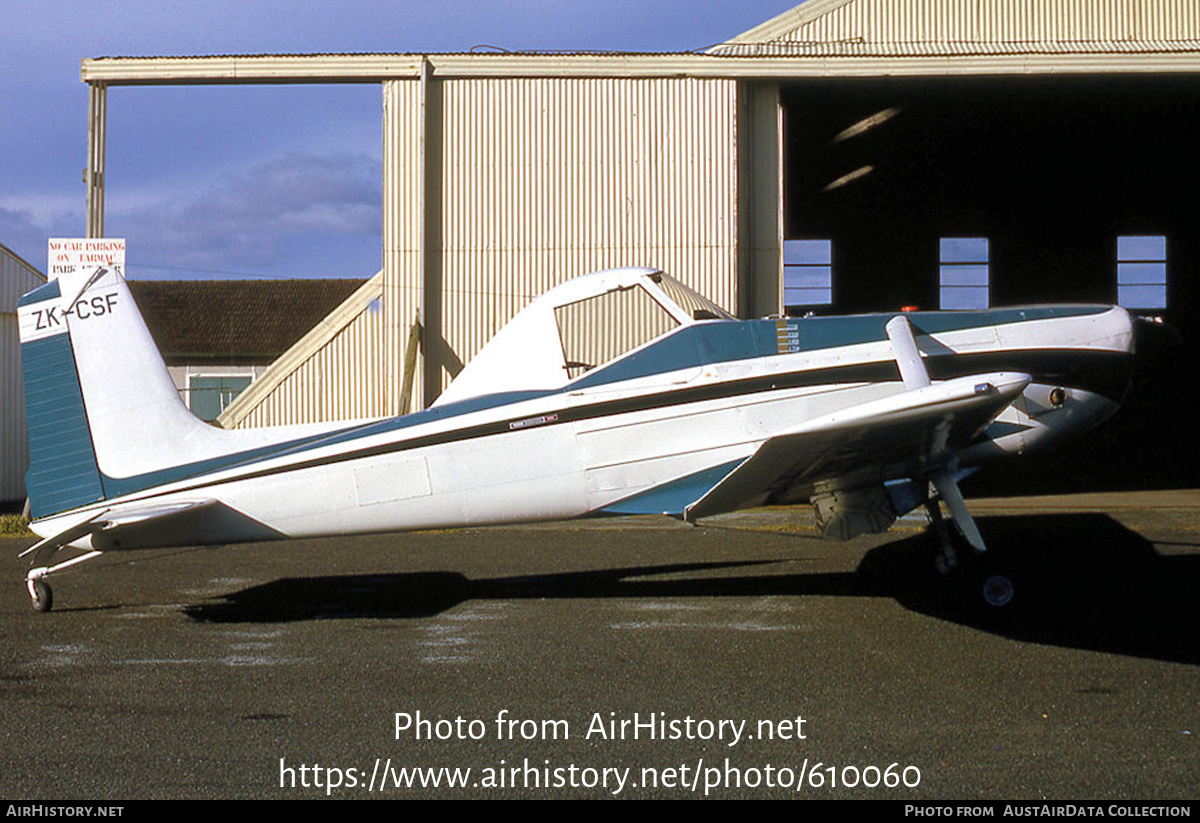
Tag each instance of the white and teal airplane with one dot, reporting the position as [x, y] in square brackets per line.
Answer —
[621, 392]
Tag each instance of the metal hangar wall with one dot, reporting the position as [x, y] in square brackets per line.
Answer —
[16, 278]
[531, 181]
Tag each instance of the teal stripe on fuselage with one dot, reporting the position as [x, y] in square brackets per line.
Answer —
[117, 486]
[706, 343]
[830, 332]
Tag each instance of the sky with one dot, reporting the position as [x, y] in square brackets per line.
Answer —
[260, 181]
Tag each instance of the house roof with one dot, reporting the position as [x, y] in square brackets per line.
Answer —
[246, 320]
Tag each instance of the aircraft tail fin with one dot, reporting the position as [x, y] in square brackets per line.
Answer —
[100, 404]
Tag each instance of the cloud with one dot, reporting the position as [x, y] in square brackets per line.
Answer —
[26, 233]
[268, 219]
[313, 211]
[296, 194]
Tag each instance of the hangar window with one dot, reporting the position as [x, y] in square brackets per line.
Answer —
[208, 395]
[1142, 271]
[807, 273]
[963, 273]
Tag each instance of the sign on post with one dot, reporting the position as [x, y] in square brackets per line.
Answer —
[67, 254]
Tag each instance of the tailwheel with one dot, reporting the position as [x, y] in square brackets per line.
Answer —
[41, 596]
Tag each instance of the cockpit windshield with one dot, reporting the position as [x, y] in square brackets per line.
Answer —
[578, 326]
[694, 304]
[601, 328]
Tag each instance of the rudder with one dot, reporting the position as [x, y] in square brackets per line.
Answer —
[63, 472]
[100, 404]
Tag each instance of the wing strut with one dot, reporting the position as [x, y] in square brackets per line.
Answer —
[915, 376]
[908, 356]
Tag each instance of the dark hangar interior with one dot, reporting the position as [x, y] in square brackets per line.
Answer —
[1050, 171]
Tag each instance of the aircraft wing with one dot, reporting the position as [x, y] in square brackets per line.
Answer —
[917, 431]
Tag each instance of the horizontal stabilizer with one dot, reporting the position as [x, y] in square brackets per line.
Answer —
[104, 526]
[53, 543]
[145, 514]
[186, 523]
[913, 430]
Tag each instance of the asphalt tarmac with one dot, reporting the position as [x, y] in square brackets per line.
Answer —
[626, 658]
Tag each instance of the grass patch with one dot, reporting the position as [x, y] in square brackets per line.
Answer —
[14, 525]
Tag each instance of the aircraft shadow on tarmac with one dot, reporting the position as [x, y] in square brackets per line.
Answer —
[1081, 581]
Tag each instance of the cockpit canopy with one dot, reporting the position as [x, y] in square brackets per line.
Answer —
[579, 326]
[603, 327]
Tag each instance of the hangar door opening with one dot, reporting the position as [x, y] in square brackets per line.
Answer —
[983, 192]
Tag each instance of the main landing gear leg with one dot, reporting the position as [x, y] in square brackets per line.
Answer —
[997, 589]
[978, 572]
[947, 557]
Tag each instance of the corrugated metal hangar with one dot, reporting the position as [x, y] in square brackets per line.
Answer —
[16, 278]
[847, 155]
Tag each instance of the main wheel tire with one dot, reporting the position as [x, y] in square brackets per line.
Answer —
[997, 590]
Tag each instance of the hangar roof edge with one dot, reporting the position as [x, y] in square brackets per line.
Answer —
[779, 60]
[897, 26]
